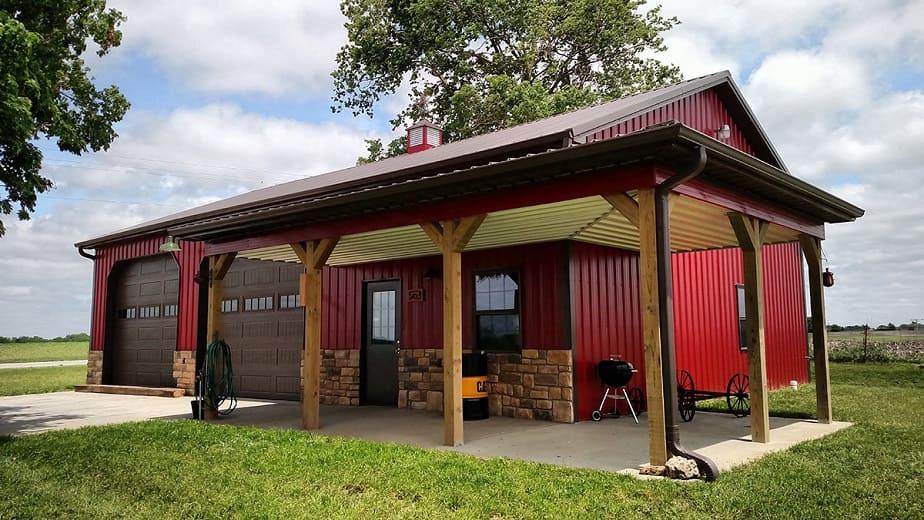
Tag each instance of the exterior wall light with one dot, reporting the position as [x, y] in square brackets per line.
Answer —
[724, 132]
[827, 278]
[170, 246]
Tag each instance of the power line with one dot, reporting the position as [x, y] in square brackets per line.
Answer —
[126, 202]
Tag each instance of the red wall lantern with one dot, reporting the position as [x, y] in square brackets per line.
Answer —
[827, 278]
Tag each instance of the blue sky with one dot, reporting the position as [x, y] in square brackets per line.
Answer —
[231, 96]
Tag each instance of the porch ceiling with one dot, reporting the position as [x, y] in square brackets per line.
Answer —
[695, 225]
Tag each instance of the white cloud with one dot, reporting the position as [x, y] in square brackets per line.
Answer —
[284, 47]
[191, 157]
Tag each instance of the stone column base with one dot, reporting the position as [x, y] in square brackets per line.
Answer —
[95, 367]
[184, 370]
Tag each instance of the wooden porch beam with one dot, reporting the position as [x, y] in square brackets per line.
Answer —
[651, 326]
[218, 268]
[811, 248]
[625, 205]
[750, 233]
[313, 255]
[451, 237]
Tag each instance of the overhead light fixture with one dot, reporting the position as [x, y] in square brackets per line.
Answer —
[170, 246]
[724, 132]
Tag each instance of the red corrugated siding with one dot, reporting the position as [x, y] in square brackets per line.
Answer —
[703, 111]
[540, 268]
[705, 315]
[607, 319]
[188, 260]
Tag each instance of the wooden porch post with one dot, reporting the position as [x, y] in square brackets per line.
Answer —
[451, 237]
[751, 233]
[651, 323]
[313, 255]
[811, 248]
[218, 268]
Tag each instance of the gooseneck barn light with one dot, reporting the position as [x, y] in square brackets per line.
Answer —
[170, 246]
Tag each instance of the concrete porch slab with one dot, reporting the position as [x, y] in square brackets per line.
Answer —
[617, 445]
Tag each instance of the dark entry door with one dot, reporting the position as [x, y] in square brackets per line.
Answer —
[382, 333]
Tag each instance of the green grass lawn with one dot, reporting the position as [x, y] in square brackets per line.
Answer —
[185, 469]
[19, 381]
[50, 351]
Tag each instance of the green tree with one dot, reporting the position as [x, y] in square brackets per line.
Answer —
[46, 90]
[482, 65]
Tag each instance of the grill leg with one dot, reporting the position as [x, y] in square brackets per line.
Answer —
[628, 402]
[603, 401]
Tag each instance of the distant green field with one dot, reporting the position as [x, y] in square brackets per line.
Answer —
[20, 381]
[51, 351]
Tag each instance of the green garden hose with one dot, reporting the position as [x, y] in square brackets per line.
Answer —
[217, 376]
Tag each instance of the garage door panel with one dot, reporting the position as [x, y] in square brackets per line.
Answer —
[260, 276]
[259, 359]
[261, 329]
[150, 333]
[128, 291]
[291, 328]
[153, 266]
[290, 273]
[169, 332]
[232, 279]
[172, 287]
[155, 288]
[290, 356]
[289, 384]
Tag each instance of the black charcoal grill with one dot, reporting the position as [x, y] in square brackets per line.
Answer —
[616, 375]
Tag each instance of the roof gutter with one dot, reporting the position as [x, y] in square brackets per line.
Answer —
[82, 252]
[707, 467]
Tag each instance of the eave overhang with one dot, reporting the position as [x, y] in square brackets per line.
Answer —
[670, 146]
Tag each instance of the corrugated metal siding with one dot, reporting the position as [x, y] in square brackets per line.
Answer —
[705, 315]
[539, 265]
[188, 259]
[607, 319]
[702, 111]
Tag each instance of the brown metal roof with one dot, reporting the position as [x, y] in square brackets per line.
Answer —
[672, 144]
[551, 133]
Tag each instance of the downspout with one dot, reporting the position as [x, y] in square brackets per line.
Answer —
[706, 466]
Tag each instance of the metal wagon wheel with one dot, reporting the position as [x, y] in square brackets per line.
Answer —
[686, 401]
[687, 407]
[738, 399]
[637, 398]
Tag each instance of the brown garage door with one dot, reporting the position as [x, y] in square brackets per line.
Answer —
[144, 325]
[264, 323]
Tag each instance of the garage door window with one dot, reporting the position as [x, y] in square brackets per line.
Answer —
[289, 301]
[171, 311]
[229, 305]
[263, 303]
[149, 311]
[128, 313]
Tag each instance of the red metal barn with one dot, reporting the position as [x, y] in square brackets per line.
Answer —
[662, 228]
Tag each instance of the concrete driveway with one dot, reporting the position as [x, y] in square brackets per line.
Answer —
[612, 444]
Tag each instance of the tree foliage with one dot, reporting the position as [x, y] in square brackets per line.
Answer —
[482, 65]
[46, 90]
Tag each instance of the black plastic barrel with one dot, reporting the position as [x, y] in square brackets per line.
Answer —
[474, 386]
